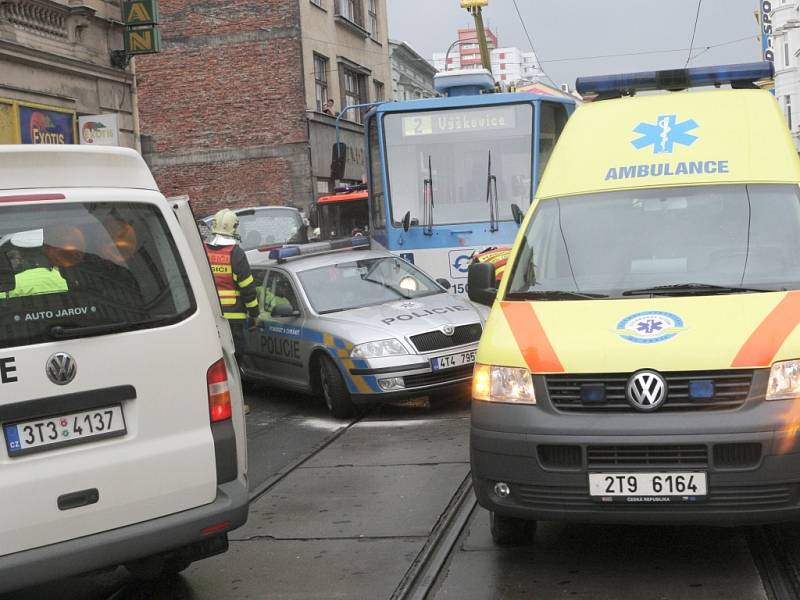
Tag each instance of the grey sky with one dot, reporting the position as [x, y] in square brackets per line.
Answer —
[573, 29]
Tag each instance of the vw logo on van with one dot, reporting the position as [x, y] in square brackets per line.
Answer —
[646, 390]
[61, 368]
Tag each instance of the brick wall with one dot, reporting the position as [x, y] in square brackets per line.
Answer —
[222, 106]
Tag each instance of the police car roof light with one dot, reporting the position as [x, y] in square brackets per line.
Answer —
[281, 254]
[627, 84]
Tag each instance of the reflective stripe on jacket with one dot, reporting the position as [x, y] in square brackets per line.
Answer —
[235, 285]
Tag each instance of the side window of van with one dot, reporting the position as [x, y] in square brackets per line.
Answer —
[553, 119]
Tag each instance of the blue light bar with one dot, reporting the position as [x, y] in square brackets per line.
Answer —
[627, 84]
[285, 252]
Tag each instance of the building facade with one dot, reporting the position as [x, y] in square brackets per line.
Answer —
[509, 65]
[785, 46]
[412, 75]
[233, 108]
[55, 66]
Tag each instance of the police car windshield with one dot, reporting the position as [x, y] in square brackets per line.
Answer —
[361, 283]
[86, 269]
[660, 242]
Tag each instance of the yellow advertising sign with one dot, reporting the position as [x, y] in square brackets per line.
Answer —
[145, 40]
[8, 124]
[140, 12]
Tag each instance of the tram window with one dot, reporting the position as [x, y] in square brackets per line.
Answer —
[553, 119]
[375, 180]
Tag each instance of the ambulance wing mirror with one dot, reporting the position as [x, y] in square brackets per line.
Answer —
[285, 311]
[338, 160]
[7, 280]
[517, 214]
[481, 281]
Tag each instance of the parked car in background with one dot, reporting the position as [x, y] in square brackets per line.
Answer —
[266, 226]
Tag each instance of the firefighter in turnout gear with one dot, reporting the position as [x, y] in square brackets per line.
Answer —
[235, 284]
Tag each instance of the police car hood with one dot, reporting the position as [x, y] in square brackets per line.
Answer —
[686, 333]
[404, 317]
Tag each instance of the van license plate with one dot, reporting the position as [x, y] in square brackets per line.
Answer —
[56, 432]
[453, 360]
[648, 487]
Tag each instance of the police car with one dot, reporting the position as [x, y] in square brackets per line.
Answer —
[356, 326]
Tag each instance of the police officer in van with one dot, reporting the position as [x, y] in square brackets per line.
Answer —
[235, 284]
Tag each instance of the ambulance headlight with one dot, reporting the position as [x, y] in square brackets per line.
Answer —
[784, 380]
[502, 384]
[378, 349]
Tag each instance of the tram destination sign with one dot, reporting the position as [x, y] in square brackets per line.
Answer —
[459, 121]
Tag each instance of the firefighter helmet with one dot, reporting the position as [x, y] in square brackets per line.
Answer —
[225, 223]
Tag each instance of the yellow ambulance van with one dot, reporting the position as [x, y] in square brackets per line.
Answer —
[641, 362]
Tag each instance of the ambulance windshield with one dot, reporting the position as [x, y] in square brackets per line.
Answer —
[74, 270]
[452, 148]
[667, 241]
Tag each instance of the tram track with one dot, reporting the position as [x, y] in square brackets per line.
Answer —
[777, 557]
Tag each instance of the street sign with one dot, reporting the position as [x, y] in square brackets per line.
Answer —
[140, 12]
[144, 40]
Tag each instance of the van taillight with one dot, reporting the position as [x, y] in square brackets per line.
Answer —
[219, 395]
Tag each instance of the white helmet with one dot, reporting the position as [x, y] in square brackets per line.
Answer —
[225, 223]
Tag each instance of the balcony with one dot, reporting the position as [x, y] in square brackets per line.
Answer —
[350, 14]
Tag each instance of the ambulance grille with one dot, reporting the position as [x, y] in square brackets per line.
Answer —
[695, 455]
[436, 340]
[730, 390]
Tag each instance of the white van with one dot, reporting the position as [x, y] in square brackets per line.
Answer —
[122, 436]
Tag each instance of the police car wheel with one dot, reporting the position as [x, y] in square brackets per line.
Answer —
[334, 390]
[511, 531]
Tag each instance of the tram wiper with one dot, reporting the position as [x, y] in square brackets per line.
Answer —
[491, 197]
[427, 208]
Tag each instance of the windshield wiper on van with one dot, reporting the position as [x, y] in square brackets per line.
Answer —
[491, 197]
[427, 207]
[692, 288]
[553, 295]
[76, 331]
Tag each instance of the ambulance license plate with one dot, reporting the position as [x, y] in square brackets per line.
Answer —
[453, 360]
[38, 435]
[648, 487]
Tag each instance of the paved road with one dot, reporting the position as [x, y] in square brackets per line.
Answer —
[349, 521]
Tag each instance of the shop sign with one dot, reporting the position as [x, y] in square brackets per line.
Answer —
[144, 40]
[140, 12]
[99, 130]
[43, 126]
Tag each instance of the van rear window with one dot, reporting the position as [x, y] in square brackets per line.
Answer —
[76, 270]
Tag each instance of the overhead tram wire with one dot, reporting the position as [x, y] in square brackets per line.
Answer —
[694, 31]
[530, 41]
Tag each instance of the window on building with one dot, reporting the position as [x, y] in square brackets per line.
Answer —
[321, 80]
[351, 10]
[785, 54]
[373, 18]
[787, 102]
[379, 97]
[354, 91]
[502, 55]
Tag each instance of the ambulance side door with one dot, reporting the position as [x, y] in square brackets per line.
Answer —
[278, 347]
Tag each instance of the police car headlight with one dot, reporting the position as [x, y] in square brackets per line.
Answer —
[784, 380]
[502, 384]
[378, 349]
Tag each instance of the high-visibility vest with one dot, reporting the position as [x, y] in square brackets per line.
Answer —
[219, 257]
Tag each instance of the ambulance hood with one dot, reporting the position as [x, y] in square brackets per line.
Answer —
[685, 333]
